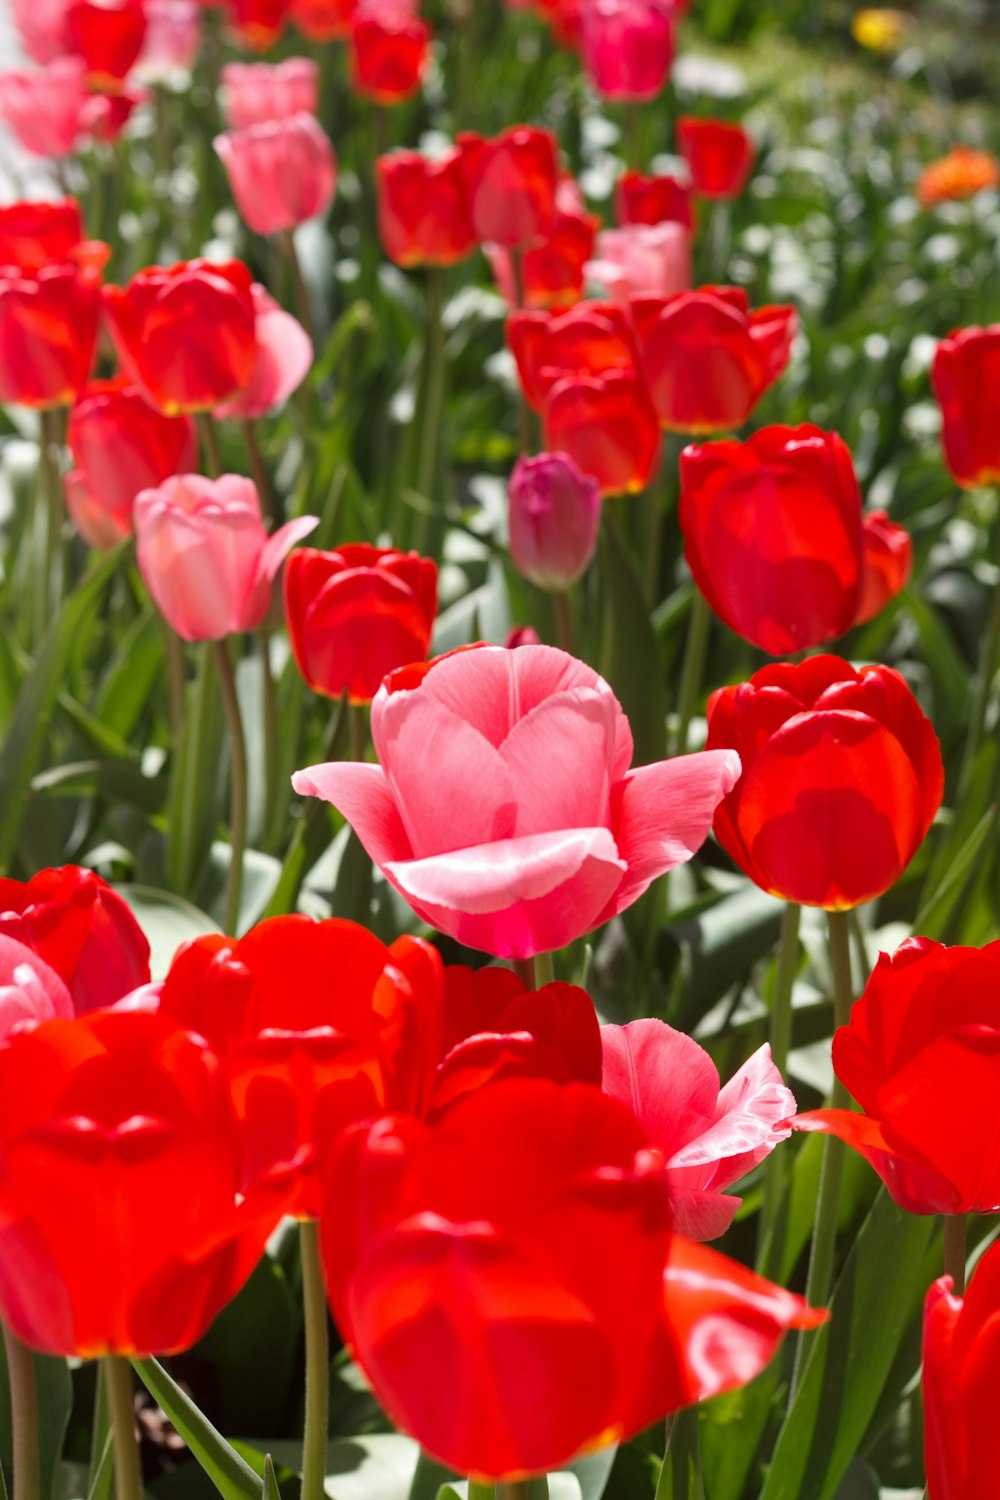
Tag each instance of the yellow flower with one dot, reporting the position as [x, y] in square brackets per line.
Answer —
[879, 30]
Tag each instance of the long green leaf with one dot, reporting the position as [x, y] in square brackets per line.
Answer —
[193, 805]
[232, 1476]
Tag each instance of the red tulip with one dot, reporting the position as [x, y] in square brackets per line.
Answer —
[185, 333]
[607, 426]
[108, 35]
[120, 1227]
[253, 93]
[842, 777]
[966, 379]
[284, 359]
[44, 106]
[356, 614]
[105, 116]
[82, 929]
[720, 156]
[511, 183]
[922, 1057]
[504, 810]
[888, 563]
[628, 46]
[553, 516]
[324, 20]
[707, 359]
[590, 338]
[48, 333]
[961, 1369]
[423, 216]
[281, 172]
[653, 200]
[120, 445]
[304, 1061]
[259, 23]
[772, 533]
[33, 235]
[389, 56]
[551, 273]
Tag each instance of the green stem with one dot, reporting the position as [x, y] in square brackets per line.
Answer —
[781, 1038]
[302, 302]
[652, 530]
[173, 648]
[23, 1416]
[564, 621]
[269, 701]
[989, 663]
[524, 968]
[359, 731]
[434, 363]
[317, 1364]
[955, 1250]
[118, 1383]
[50, 445]
[258, 470]
[693, 669]
[238, 789]
[209, 443]
[633, 136]
[535, 1488]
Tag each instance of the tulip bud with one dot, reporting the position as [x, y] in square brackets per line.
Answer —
[555, 511]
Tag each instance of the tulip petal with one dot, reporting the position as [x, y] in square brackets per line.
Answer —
[748, 1125]
[915, 1185]
[559, 757]
[361, 793]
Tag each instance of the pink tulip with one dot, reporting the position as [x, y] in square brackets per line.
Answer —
[253, 93]
[641, 258]
[553, 517]
[41, 25]
[30, 990]
[503, 807]
[170, 46]
[628, 46]
[43, 106]
[205, 556]
[708, 1138]
[281, 172]
[284, 358]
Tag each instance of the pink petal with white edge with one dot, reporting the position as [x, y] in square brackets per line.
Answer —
[361, 793]
[754, 1114]
[670, 1083]
[559, 759]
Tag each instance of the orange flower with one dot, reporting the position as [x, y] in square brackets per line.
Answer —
[958, 175]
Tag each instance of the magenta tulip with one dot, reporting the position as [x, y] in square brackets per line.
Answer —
[553, 517]
[628, 46]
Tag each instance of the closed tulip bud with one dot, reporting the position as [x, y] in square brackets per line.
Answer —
[553, 518]
[108, 35]
[842, 778]
[185, 333]
[653, 200]
[48, 333]
[888, 563]
[284, 359]
[961, 1369]
[423, 215]
[259, 23]
[204, 554]
[173, 35]
[358, 613]
[44, 106]
[33, 235]
[511, 183]
[389, 56]
[628, 46]
[324, 20]
[641, 259]
[281, 172]
[606, 424]
[720, 156]
[966, 379]
[253, 93]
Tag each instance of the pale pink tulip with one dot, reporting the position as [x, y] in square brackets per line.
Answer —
[205, 556]
[628, 46]
[30, 991]
[170, 46]
[44, 106]
[640, 258]
[708, 1137]
[503, 807]
[284, 358]
[253, 93]
[281, 172]
[41, 25]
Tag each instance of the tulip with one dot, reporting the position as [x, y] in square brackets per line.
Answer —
[41, 26]
[966, 379]
[48, 333]
[43, 106]
[720, 156]
[185, 333]
[82, 929]
[653, 200]
[108, 35]
[503, 809]
[921, 1056]
[550, 274]
[120, 445]
[324, 20]
[553, 518]
[709, 1137]
[204, 554]
[259, 23]
[707, 359]
[960, 174]
[590, 338]
[284, 359]
[511, 183]
[389, 55]
[842, 777]
[607, 426]
[30, 991]
[281, 172]
[301, 1065]
[961, 1367]
[641, 259]
[628, 46]
[887, 565]
[121, 1227]
[105, 116]
[773, 536]
[423, 217]
[358, 613]
[33, 235]
[521, 635]
[520, 1247]
[173, 36]
[254, 93]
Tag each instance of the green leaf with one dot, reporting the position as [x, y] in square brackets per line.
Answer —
[132, 675]
[194, 801]
[630, 652]
[270, 1490]
[232, 1476]
[167, 920]
[102, 1485]
[371, 1466]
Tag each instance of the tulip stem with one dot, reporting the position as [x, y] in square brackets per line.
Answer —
[955, 1250]
[824, 1241]
[258, 470]
[238, 789]
[431, 403]
[118, 1383]
[209, 443]
[535, 1488]
[988, 663]
[24, 1416]
[564, 621]
[269, 702]
[317, 1363]
[693, 669]
[173, 650]
[781, 1039]
[49, 442]
[302, 301]
[524, 968]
